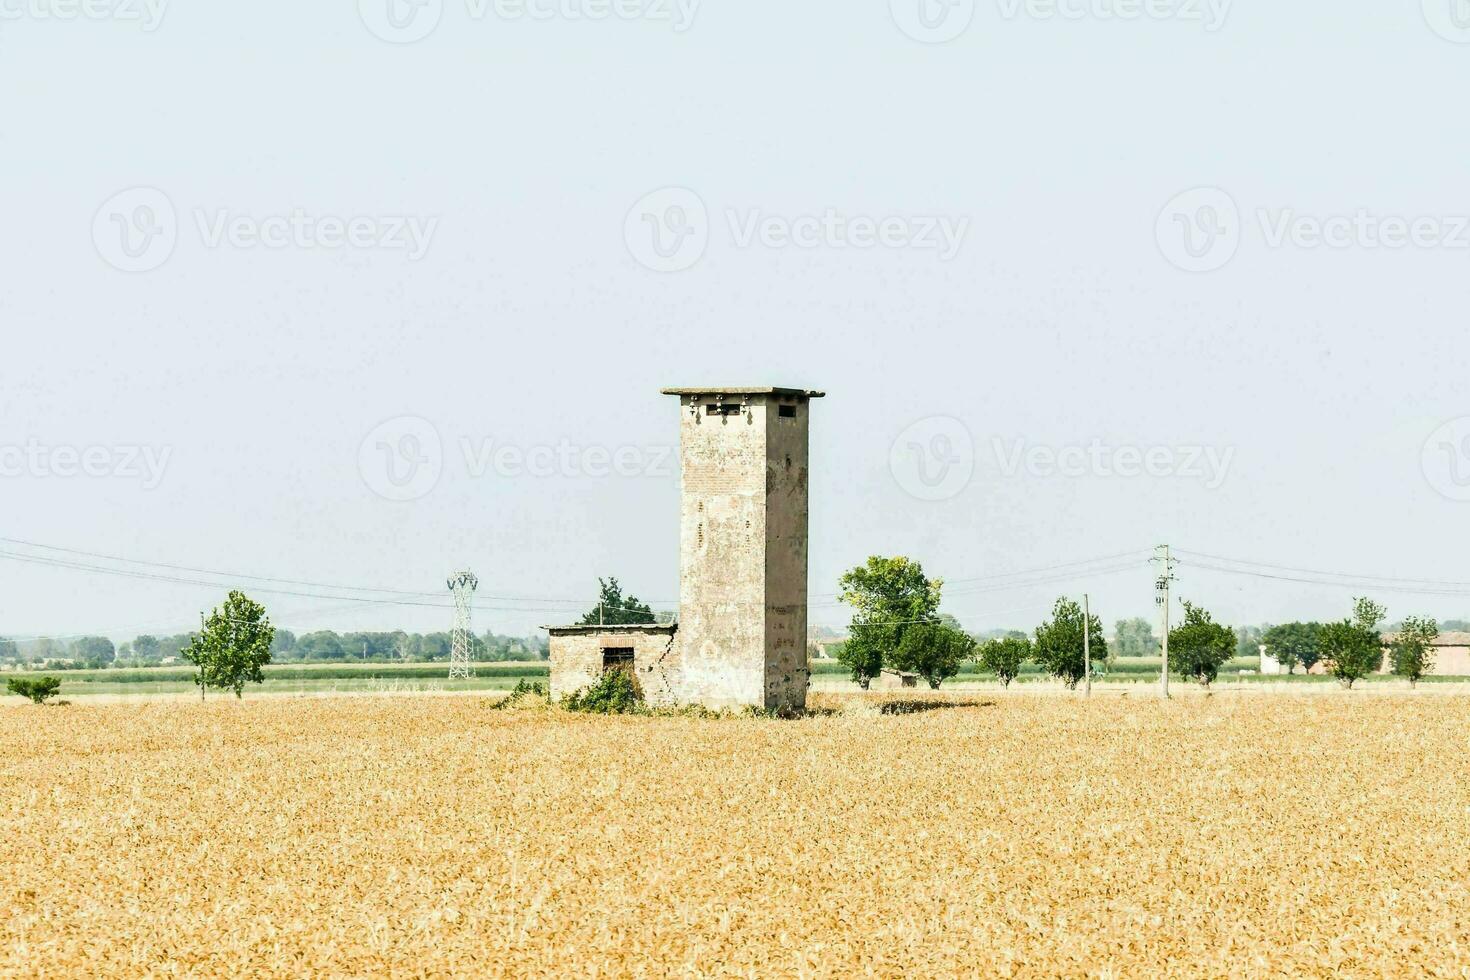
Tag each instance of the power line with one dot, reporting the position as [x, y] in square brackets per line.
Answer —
[1359, 579]
[1336, 583]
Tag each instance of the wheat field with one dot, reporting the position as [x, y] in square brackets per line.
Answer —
[1021, 836]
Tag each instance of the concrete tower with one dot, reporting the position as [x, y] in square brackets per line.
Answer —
[743, 546]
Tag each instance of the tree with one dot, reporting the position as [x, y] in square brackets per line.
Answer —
[1294, 645]
[1353, 647]
[1412, 650]
[614, 609]
[98, 649]
[1059, 648]
[233, 646]
[934, 651]
[862, 654]
[1199, 646]
[38, 690]
[147, 648]
[1135, 638]
[888, 595]
[1003, 657]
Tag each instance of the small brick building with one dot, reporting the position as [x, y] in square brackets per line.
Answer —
[582, 654]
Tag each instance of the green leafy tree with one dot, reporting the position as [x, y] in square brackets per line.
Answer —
[94, 649]
[615, 609]
[1294, 645]
[38, 689]
[1059, 645]
[863, 652]
[1004, 656]
[1412, 650]
[1135, 638]
[233, 646]
[1353, 647]
[1199, 646]
[934, 651]
[888, 596]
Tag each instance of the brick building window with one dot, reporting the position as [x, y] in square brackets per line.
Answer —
[617, 658]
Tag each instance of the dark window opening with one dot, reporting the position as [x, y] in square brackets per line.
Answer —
[725, 409]
[617, 658]
[788, 411]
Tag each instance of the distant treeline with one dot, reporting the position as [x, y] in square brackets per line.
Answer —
[322, 646]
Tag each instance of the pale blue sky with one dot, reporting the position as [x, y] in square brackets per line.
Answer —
[529, 320]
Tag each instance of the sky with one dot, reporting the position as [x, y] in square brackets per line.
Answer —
[359, 295]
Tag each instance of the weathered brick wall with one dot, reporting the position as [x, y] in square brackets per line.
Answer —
[576, 659]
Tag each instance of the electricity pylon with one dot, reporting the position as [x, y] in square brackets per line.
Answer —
[463, 587]
[1161, 597]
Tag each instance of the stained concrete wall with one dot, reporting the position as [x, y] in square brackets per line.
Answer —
[786, 671]
[576, 658]
[743, 550]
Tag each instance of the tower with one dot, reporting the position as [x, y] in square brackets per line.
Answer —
[743, 546]
[463, 586]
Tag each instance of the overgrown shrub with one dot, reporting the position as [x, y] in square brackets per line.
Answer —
[523, 690]
[38, 690]
[617, 693]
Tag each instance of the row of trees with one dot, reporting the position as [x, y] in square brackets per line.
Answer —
[98, 652]
[897, 625]
[1198, 647]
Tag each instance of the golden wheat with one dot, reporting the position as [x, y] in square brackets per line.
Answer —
[1236, 835]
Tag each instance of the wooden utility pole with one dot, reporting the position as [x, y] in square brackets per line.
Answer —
[1086, 646]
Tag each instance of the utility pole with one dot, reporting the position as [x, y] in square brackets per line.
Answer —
[1161, 597]
[1086, 646]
